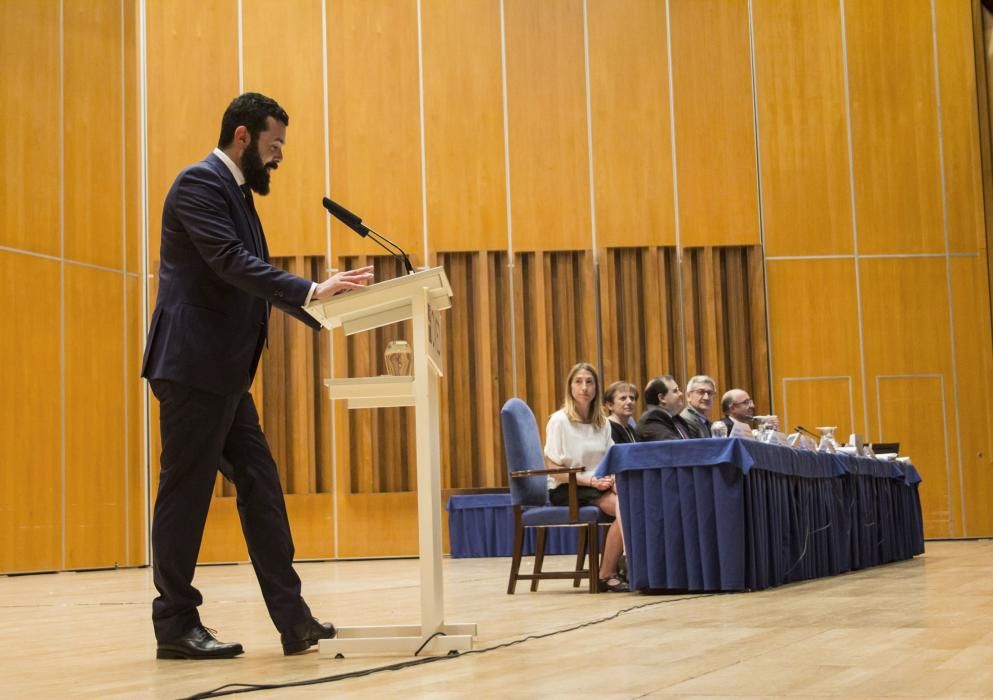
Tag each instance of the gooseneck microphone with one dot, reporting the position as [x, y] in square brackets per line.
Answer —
[355, 223]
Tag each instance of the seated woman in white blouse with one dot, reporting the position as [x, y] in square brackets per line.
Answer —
[578, 435]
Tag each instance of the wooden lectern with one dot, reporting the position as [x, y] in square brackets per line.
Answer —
[420, 297]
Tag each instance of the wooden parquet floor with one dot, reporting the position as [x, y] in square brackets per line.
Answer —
[921, 628]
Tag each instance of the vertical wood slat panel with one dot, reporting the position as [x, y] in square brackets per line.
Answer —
[29, 88]
[736, 372]
[611, 318]
[485, 379]
[758, 327]
[691, 311]
[301, 465]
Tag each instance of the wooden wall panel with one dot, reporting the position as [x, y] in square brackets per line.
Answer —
[960, 126]
[31, 435]
[813, 402]
[893, 347]
[813, 324]
[94, 138]
[803, 136]
[463, 125]
[546, 102]
[715, 135]
[192, 77]
[974, 363]
[29, 89]
[927, 442]
[894, 127]
[892, 340]
[95, 496]
[632, 145]
[292, 213]
[374, 121]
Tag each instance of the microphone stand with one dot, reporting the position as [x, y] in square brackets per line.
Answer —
[397, 252]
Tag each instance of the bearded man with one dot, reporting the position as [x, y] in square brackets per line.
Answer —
[216, 289]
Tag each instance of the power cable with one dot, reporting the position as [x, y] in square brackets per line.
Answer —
[235, 688]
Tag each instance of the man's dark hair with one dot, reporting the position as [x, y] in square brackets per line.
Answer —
[657, 389]
[726, 403]
[250, 110]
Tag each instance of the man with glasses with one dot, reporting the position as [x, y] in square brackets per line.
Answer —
[700, 393]
[738, 409]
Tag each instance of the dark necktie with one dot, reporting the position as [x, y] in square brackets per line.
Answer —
[257, 242]
[246, 190]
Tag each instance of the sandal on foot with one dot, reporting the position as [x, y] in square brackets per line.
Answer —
[613, 584]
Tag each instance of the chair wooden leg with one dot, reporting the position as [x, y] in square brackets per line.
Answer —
[539, 556]
[593, 535]
[515, 563]
[580, 556]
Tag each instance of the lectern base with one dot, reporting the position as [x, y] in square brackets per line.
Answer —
[404, 640]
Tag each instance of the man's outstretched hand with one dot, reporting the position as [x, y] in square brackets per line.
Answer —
[342, 282]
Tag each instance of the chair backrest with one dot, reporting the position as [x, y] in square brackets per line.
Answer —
[522, 446]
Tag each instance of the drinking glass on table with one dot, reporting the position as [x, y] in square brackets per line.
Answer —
[718, 429]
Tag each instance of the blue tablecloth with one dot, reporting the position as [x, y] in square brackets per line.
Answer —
[733, 514]
[482, 525]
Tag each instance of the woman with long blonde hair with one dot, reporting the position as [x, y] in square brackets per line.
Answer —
[578, 435]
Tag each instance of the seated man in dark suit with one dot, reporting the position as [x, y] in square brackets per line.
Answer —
[661, 420]
[700, 392]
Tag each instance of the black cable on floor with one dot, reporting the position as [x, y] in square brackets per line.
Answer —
[234, 688]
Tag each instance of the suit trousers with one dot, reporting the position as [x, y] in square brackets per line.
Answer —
[201, 434]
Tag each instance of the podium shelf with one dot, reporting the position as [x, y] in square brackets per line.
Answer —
[372, 392]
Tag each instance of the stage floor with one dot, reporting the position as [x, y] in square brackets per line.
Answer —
[919, 628]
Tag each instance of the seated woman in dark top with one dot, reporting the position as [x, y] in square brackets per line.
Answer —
[620, 399]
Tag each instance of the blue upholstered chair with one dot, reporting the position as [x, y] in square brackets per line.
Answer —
[529, 496]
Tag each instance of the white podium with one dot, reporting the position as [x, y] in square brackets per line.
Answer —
[419, 297]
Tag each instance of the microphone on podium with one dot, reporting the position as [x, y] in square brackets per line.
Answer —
[355, 223]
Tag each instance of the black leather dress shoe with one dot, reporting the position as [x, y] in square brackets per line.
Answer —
[198, 643]
[305, 635]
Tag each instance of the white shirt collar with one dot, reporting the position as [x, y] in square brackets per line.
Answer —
[235, 170]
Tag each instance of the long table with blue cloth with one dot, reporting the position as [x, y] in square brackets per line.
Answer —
[736, 514]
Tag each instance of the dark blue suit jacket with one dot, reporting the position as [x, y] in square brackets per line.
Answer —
[215, 285]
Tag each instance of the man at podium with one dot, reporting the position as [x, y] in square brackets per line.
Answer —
[216, 288]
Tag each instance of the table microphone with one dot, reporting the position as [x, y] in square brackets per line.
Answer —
[355, 223]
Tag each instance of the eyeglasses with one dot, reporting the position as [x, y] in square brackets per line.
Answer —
[744, 402]
[704, 392]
